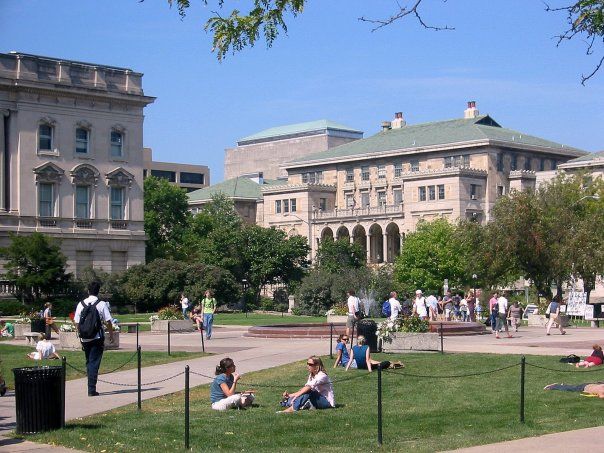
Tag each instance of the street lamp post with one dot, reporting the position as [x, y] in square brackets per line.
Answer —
[474, 278]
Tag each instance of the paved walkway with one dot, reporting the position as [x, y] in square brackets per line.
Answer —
[252, 354]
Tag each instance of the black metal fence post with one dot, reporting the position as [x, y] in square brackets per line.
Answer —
[442, 348]
[187, 407]
[379, 401]
[331, 340]
[64, 378]
[522, 372]
[203, 346]
[137, 328]
[168, 337]
[139, 377]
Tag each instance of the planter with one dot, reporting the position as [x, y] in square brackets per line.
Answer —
[403, 341]
[176, 325]
[70, 340]
[336, 319]
[38, 325]
[20, 330]
[541, 320]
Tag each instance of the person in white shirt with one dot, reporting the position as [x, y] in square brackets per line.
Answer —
[353, 308]
[93, 348]
[502, 320]
[395, 306]
[419, 305]
[317, 392]
[432, 303]
[44, 349]
[184, 304]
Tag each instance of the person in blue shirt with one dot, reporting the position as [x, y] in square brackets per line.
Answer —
[342, 351]
[362, 357]
[223, 391]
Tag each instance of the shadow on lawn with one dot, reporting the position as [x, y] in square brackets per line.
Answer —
[118, 392]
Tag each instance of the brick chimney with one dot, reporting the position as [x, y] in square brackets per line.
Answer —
[471, 111]
[398, 121]
[386, 126]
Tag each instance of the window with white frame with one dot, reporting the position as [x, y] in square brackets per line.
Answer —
[117, 144]
[292, 204]
[398, 196]
[45, 137]
[46, 202]
[364, 199]
[117, 203]
[304, 178]
[381, 198]
[422, 193]
[441, 191]
[350, 175]
[82, 202]
[350, 200]
[285, 205]
[277, 206]
[398, 169]
[431, 193]
[415, 165]
[474, 191]
[381, 171]
[323, 204]
[82, 139]
[365, 173]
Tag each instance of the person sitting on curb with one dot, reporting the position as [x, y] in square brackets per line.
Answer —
[363, 360]
[596, 358]
[317, 392]
[595, 389]
[223, 394]
[44, 349]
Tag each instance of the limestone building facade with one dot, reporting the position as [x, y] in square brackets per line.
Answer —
[71, 160]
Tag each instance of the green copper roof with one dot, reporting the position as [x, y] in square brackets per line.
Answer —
[299, 128]
[434, 134]
[588, 157]
[240, 187]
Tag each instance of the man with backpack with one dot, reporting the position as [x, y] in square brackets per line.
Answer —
[392, 307]
[90, 315]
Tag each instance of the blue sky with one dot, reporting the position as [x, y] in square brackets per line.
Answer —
[501, 54]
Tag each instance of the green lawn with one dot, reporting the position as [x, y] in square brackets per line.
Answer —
[259, 319]
[422, 414]
[15, 356]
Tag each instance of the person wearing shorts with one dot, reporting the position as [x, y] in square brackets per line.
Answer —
[353, 308]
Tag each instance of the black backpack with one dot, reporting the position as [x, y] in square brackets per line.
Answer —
[90, 321]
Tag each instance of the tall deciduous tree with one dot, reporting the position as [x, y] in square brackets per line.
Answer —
[36, 265]
[335, 256]
[166, 218]
[432, 254]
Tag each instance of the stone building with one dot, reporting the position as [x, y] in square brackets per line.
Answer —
[264, 152]
[375, 190]
[71, 161]
[187, 176]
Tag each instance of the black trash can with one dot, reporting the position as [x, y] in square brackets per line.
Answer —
[38, 325]
[39, 399]
[368, 328]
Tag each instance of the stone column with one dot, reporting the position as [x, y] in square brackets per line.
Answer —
[385, 248]
[3, 114]
[368, 245]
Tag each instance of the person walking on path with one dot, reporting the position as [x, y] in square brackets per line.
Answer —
[353, 304]
[49, 320]
[89, 316]
[515, 315]
[493, 310]
[502, 319]
[184, 305]
[554, 315]
[209, 308]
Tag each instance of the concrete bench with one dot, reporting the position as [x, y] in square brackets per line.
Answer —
[129, 327]
[31, 337]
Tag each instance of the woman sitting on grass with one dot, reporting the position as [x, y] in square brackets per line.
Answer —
[596, 358]
[362, 357]
[317, 392]
[223, 393]
[44, 349]
[342, 351]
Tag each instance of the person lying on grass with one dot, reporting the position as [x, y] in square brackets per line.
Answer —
[44, 349]
[595, 389]
[596, 358]
[362, 357]
[223, 393]
[317, 392]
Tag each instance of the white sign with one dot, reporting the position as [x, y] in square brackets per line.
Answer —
[589, 312]
[576, 304]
